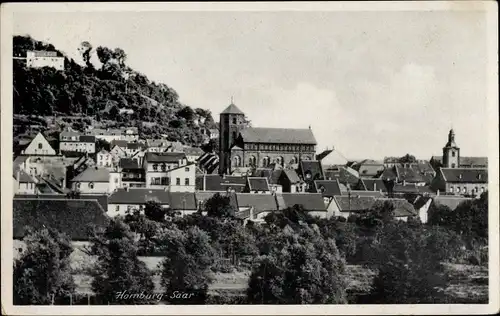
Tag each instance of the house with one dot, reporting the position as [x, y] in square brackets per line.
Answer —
[125, 200]
[421, 206]
[74, 217]
[117, 152]
[72, 142]
[101, 199]
[128, 134]
[258, 205]
[402, 208]
[372, 185]
[40, 59]
[312, 203]
[163, 145]
[24, 183]
[105, 159]
[184, 177]
[133, 148]
[258, 185]
[331, 157]
[183, 202]
[406, 173]
[132, 173]
[92, 180]
[353, 204]
[193, 153]
[169, 169]
[310, 170]
[369, 168]
[461, 181]
[291, 182]
[327, 188]
[345, 175]
[39, 146]
[209, 182]
[234, 183]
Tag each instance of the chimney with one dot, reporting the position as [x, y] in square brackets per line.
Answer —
[374, 186]
[460, 176]
[404, 182]
[437, 193]
[127, 189]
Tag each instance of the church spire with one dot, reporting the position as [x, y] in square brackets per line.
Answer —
[451, 139]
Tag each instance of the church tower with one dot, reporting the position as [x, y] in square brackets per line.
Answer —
[451, 152]
[232, 120]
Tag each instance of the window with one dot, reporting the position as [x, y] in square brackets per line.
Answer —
[265, 162]
[453, 154]
[164, 181]
[237, 161]
[234, 136]
[252, 160]
[186, 181]
[234, 120]
[91, 185]
[186, 169]
[40, 146]
[452, 189]
[293, 161]
[464, 190]
[482, 189]
[155, 167]
[476, 189]
[117, 208]
[453, 165]
[78, 184]
[163, 167]
[178, 181]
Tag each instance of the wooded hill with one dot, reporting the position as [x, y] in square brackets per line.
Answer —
[98, 92]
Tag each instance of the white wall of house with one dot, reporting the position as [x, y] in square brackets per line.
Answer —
[91, 187]
[25, 188]
[115, 180]
[39, 146]
[183, 179]
[423, 212]
[34, 60]
[119, 209]
[466, 188]
[84, 147]
[105, 159]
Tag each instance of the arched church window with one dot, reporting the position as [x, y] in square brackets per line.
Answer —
[234, 120]
[237, 161]
[453, 165]
[453, 154]
[265, 161]
[252, 161]
[279, 161]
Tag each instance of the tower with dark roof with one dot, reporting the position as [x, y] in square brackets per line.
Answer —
[232, 121]
[451, 152]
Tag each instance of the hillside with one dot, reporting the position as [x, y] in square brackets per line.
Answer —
[96, 93]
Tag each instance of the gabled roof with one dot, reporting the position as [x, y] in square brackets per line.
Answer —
[167, 157]
[278, 135]
[24, 177]
[327, 188]
[209, 182]
[92, 174]
[342, 174]
[465, 175]
[70, 216]
[102, 199]
[135, 146]
[232, 109]
[234, 180]
[291, 175]
[139, 196]
[354, 204]
[258, 184]
[309, 201]
[260, 202]
[359, 193]
[183, 201]
[409, 174]
[129, 163]
[275, 176]
[408, 188]
[449, 200]
[474, 161]
[312, 167]
[87, 139]
[420, 202]
[373, 185]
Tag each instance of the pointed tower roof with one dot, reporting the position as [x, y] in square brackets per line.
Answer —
[451, 139]
[232, 109]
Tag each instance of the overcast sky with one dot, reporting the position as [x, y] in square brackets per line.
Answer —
[372, 84]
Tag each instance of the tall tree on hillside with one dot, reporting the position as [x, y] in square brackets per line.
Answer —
[219, 206]
[118, 268]
[120, 56]
[104, 54]
[43, 269]
[86, 49]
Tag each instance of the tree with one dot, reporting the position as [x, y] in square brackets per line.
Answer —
[440, 215]
[188, 257]
[120, 56]
[186, 113]
[409, 272]
[43, 269]
[301, 268]
[118, 268]
[154, 211]
[219, 206]
[407, 159]
[104, 54]
[102, 144]
[237, 241]
[86, 49]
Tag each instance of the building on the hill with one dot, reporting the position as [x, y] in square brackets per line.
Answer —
[312, 203]
[39, 146]
[24, 183]
[40, 59]
[242, 146]
[451, 157]
[169, 169]
[332, 157]
[92, 180]
[461, 181]
[129, 134]
[193, 153]
[133, 174]
[369, 168]
[73, 142]
[258, 185]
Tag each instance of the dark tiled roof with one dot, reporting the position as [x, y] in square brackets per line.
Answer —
[72, 217]
[232, 109]
[87, 139]
[323, 154]
[356, 193]
[374, 185]
[275, 176]
[409, 188]
[169, 157]
[102, 199]
[139, 196]
[260, 202]
[327, 188]
[129, 163]
[262, 172]
[23, 177]
[183, 201]
[234, 180]
[211, 182]
[135, 146]
[409, 174]
[119, 143]
[354, 204]
[243, 214]
[342, 175]
[258, 184]
[389, 174]
[451, 201]
[93, 174]
[309, 201]
[278, 135]
[313, 167]
[465, 175]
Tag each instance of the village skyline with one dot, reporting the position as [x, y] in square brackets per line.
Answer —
[366, 104]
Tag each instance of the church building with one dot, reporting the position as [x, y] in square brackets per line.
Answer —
[244, 146]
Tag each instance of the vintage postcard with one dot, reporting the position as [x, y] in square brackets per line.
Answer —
[288, 158]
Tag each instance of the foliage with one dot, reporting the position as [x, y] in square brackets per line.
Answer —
[100, 90]
[188, 258]
[118, 267]
[409, 268]
[407, 159]
[155, 212]
[300, 268]
[219, 206]
[43, 269]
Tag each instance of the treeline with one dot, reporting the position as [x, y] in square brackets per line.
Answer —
[293, 258]
[101, 91]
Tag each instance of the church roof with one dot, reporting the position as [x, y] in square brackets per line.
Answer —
[232, 109]
[278, 135]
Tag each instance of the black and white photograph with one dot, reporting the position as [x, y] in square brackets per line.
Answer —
[285, 158]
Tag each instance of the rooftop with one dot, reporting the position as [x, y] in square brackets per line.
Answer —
[278, 135]
[232, 109]
[92, 174]
[465, 175]
[258, 184]
[167, 157]
[309, 201]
